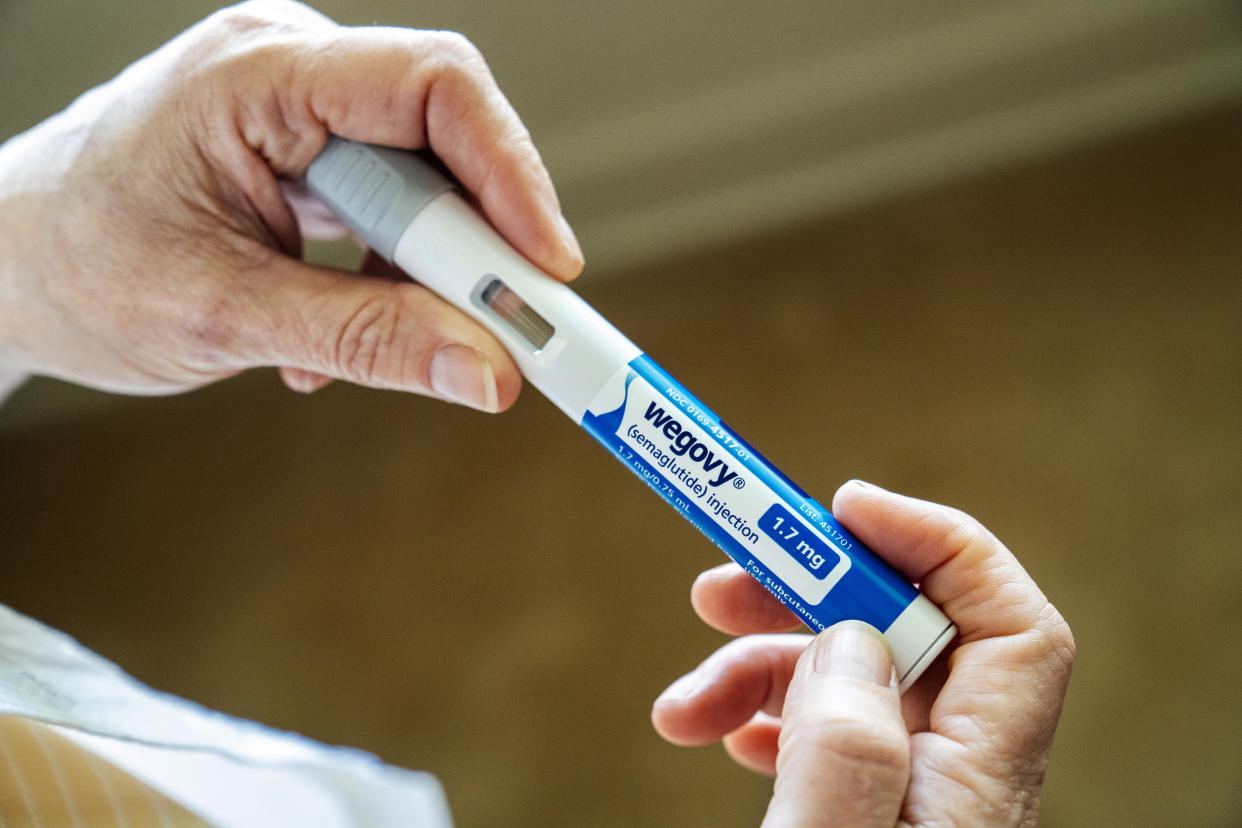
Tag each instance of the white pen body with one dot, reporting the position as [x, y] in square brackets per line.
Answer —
[452, 250]
[790, 543]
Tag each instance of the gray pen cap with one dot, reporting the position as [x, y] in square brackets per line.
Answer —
[376, 191]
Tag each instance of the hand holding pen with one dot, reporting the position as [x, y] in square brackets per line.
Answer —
[966, 745]
[152, 235]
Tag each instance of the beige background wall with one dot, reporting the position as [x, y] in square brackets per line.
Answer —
[1054, 346]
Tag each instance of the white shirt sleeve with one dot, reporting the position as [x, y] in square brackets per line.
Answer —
[234, 773]
[10, 381]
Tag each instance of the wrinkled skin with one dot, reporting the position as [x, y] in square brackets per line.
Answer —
[152, 229]
[966, 745]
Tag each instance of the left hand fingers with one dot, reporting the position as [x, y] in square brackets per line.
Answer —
[308, 382]
[282, 84]
[744, 677]
[729, 599]
[315, 221]
[756, 744]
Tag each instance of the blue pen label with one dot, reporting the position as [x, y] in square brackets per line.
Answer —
[798, 540]
[787, 541]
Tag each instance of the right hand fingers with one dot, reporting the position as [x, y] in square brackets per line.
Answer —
[1007, 676]
[844, 756]
[968, 573]
[1013, 642]
[736, 694]
[825, 719]
[958, 564]
[728, 598]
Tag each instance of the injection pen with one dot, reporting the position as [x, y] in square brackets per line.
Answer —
[414, 216]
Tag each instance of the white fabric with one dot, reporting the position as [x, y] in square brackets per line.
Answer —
[10, 381]
[235, 773]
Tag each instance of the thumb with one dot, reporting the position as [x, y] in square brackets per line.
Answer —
[844, 754]
[376, 332]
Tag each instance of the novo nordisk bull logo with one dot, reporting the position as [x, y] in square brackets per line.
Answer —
[683, 443]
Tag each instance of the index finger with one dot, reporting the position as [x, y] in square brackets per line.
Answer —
[290, 76]
[416, 89]
[958, 564]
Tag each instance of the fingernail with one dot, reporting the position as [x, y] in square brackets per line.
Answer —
[853, 649]
[570, 240]
[463, 375]
[297, 380]
[686, 687]
[863, 484]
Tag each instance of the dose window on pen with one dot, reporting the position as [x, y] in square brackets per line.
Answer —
[518, 316]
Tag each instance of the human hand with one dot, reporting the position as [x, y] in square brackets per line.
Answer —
[151, 236]
[966, 745]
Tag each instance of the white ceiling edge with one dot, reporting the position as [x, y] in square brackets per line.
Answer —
[754, 206]
[1171, 58]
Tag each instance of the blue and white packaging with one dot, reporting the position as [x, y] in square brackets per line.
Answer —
[791, 544]
[788, 542]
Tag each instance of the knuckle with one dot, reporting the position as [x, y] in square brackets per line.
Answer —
[243, 31]
[243, 17]
[365, 341]
[210, 326]
[453, 61]
[457, 48]
[964, 531]
[949, 532]
[257, 14]
[244, 39]
[1046, 645]
[872, 750]
[1059, 638]
[519, 141]
[512, 168]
